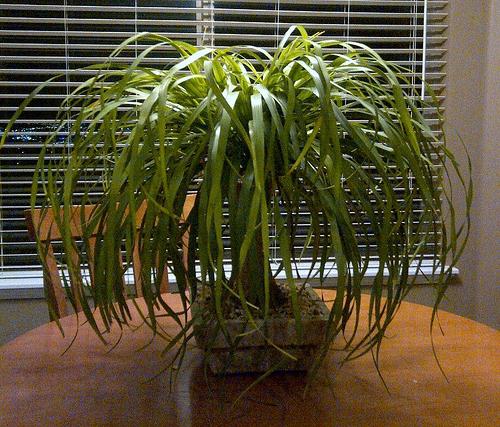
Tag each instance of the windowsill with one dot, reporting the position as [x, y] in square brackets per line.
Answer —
[29, 285]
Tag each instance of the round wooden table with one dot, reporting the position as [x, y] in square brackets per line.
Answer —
[90, 385]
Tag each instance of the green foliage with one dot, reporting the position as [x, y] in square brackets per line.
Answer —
[260, 138]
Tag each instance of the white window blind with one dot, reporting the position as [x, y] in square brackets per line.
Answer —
[41, 38]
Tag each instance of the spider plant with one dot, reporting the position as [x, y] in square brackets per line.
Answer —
[324, 127]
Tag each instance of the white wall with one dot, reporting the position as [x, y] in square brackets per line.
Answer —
[473, 113]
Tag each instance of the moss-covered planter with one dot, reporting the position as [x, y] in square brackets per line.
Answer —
[254, 353]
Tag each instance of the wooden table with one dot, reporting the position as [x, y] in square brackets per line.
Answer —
[90, 386]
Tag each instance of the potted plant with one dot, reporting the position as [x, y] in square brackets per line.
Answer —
[318, 156]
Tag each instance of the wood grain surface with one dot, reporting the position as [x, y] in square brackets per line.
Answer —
[92, 386]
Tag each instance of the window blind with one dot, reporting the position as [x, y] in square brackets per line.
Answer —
[44, 37]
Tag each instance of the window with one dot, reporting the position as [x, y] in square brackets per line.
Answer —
[43, 37]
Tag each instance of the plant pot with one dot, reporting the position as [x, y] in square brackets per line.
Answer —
[254, 353]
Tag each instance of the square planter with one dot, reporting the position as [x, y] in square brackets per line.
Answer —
[253, 353]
